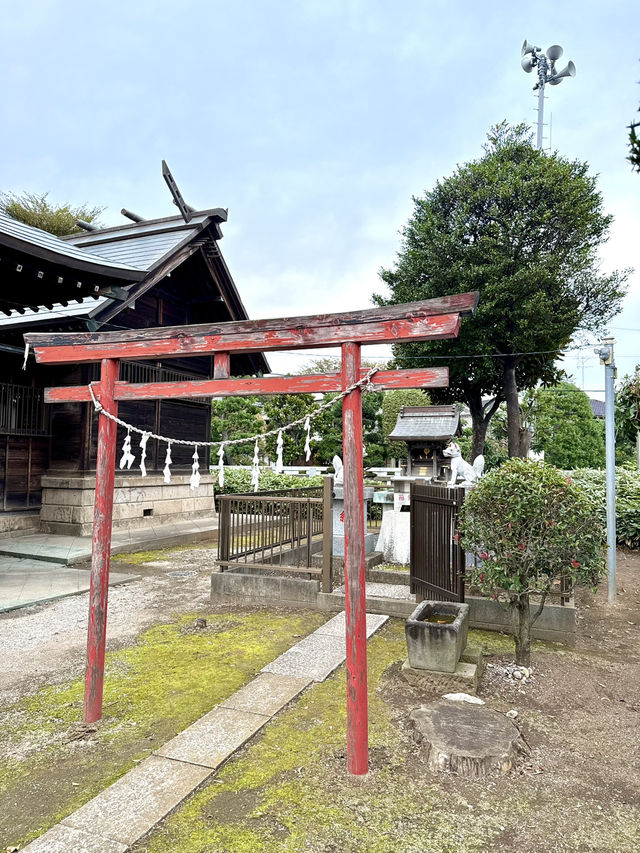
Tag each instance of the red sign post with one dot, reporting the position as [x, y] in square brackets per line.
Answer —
[417, 321]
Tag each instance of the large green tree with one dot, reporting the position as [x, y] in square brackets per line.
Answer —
[564, 427]
[36, 210]
[523, 228]
[233, 418]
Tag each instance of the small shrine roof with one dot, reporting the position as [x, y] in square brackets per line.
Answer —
[420, 423]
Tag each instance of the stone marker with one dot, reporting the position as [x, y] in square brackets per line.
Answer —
[471, 740]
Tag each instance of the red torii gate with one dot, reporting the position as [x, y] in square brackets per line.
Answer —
[416, 321]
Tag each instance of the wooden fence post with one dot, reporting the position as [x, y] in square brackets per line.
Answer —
[354, 567]
[101, 546]
[327, 533]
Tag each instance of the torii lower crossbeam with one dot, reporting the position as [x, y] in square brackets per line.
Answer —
[435, 318]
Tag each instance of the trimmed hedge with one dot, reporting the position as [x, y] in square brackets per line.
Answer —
[593, 483]
[238, 481]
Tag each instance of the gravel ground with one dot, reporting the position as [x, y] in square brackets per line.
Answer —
[47, 642]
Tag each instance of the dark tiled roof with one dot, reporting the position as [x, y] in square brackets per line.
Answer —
[416, 423]
[597, 407]
[18, 235]
[144, 244]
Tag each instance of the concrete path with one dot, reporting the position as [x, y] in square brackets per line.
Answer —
[132, 806]
[36, 568]
[24, 582]
[70, 550]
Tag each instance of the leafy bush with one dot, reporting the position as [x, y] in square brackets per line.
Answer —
[593, 484]
[533, 529]
[238, 481]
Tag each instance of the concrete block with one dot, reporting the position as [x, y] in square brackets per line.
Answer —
[214, 737]
[266, 694]
[434, 683]
[299, 591]
[66, 839]
[556, 623]
[336, 627]
[135, 803]
[315, 657]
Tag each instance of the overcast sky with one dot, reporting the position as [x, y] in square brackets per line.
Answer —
[313, 121]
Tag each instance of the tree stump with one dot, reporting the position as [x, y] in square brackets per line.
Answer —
[471, 740]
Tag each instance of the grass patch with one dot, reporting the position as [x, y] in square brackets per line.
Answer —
[137, 558]
[289, 791]
[153, 689]
[392, 567]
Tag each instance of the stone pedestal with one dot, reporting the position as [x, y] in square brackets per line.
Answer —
[338, 522]
[394, 538]
[138, 502]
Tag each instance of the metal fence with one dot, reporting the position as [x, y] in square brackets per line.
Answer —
[22, 410]
[437, 560]
[277, 530]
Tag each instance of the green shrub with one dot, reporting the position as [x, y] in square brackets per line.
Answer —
[592, 481]
[533, 529]
[238, 481]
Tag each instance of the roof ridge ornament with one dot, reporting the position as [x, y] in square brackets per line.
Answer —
[185, 209]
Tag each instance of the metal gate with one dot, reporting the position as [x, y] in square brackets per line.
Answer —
[437, 560]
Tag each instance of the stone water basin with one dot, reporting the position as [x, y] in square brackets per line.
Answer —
[436, 634]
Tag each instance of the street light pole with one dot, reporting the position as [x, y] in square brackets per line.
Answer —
[605, 352]
[533, 57]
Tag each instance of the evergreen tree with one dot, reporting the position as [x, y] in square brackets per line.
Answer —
[564, 427]
[523, 228]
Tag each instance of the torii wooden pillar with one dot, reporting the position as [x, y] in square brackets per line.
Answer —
[417, 321]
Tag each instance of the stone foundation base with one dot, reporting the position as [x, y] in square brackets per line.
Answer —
[138, 502]
[463, 680]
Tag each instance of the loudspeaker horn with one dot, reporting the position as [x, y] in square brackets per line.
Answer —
[528, 63]
[569, 71]
[527, 47]
[555, 52]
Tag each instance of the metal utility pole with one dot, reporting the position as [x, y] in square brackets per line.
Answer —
[605, 353]
[533, 57]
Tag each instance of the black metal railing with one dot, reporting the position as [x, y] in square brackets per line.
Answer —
[281, 529]
[22, 410]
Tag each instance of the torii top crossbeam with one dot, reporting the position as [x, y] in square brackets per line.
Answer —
[416, 321]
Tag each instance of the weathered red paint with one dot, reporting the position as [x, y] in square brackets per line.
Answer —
[436, 318]
[168, 342]
[354, 566]
[383, 380]
[101, 547]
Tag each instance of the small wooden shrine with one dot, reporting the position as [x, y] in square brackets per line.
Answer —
[427, 430]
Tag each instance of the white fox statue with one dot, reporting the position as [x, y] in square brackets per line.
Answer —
[470, 474]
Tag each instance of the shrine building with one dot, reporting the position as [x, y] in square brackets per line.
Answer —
[141, 274]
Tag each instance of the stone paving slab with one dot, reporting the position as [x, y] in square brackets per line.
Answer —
[25, 582]
[266, 694]
[315, 657]
[384, 590]
[138, 801]
[214, 737]
[65, 839]
[69, 550]
[337, 627]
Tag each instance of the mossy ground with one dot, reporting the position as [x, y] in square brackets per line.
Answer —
[289, 789]
[139, 558]
[173, 675]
